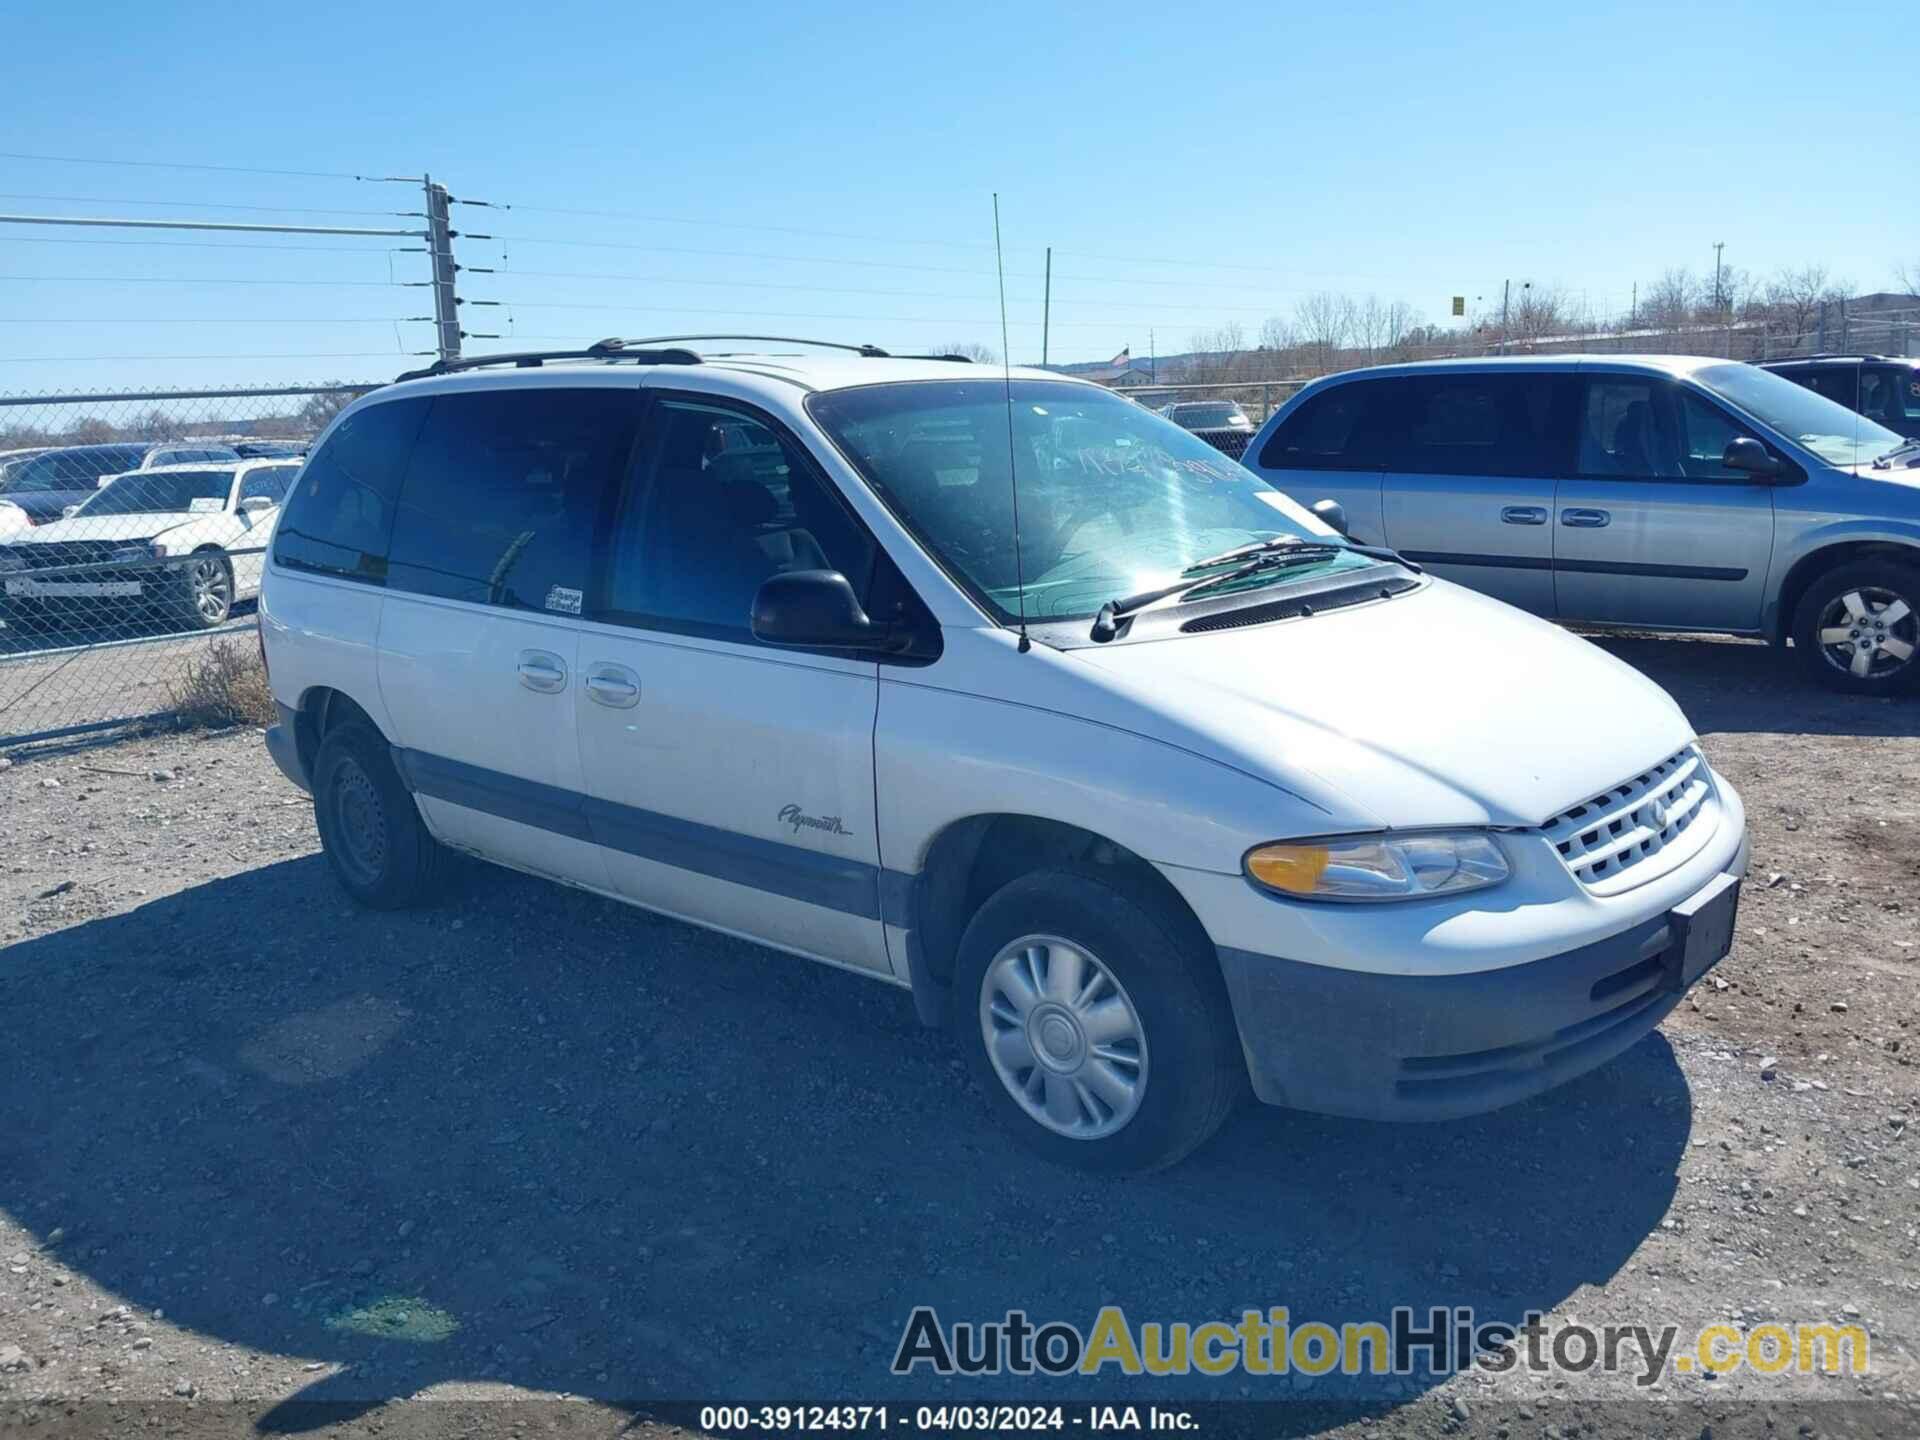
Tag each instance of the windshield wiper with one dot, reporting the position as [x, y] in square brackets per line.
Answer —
[1885, 462]
[1282, 552]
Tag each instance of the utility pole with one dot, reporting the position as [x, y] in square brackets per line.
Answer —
[1506, 296]
[1718, 246]
[446, 306]
[1046, 310]
[1153, 360]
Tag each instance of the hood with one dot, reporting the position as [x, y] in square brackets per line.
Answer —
[1440, 707]
[130, 528]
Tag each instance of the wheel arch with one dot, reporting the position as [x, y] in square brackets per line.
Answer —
[972, 858]
[321, 709]
[1831, 556]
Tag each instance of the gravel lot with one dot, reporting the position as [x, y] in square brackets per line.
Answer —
[265, 1158]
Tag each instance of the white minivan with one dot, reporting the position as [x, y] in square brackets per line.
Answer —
[996, 687]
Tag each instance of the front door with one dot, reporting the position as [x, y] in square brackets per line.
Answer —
[1470, 477]
[729, 782]
[1652, 529]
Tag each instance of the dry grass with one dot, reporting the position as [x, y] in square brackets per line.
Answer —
[222, 686]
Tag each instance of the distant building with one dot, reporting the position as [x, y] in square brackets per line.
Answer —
[1120, 375]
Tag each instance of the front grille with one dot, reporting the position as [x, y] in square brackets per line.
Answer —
[1640, 829]
[65, 552]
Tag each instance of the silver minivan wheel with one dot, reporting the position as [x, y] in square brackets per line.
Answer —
[1869, 632]
[1064, 1037]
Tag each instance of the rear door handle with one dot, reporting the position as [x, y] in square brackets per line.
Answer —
[613, 685]
[543, 671]
[1524, 515]
[1585, 519]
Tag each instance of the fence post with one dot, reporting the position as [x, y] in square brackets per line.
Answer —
[446, 306]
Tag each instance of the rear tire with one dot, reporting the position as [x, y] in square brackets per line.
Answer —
[1842, 633]
[1097, 1023]
[370, 829]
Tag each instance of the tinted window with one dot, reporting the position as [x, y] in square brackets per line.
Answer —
[720, 502]
[148, 492]
[72, 469]
[339, 516]
[1836, 382]
[1338, 429]
[1476, 425]
[505, 493]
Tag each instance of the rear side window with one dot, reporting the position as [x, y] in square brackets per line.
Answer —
[1839, 383]
[340, 516]
[1343, 428]
[506, 492]
[1477, 425]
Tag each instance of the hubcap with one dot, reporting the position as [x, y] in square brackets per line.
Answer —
[362, 821]
[1869, 632]
[212, 592]
[1064, 1037]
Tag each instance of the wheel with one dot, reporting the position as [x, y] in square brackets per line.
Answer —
[1097, 1023]
[204, 596]
[1857, 630]
[370, 829]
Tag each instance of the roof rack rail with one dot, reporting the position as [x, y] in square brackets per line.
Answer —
[1831, 355]
[872, 352]
[609, 349]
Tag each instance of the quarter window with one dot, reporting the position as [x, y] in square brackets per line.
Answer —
[719, 502]
[270, 483]
[340, 516]
[506, 492]
[1338, 429]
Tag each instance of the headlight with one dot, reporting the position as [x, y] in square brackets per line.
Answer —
[131, 554]
[1378, 867]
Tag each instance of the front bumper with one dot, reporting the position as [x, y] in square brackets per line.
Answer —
[1439, 1046]
[285, 749]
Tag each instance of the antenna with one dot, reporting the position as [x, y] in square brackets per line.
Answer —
[1013, 480]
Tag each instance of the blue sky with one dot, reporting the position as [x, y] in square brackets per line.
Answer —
[827, 169]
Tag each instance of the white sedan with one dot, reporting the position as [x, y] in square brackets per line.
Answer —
[13, 518]
[187, 539]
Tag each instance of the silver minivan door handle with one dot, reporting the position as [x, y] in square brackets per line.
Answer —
[1524, 515]
[1585, 519]
[613, 685]
[543, 671]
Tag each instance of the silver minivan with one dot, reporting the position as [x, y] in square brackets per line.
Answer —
[1650, 492]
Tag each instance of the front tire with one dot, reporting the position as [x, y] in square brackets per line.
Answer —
[204, 595]
[1857, 628]
[1096, 1022]
[370, 829]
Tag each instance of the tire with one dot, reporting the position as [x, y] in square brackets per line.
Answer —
[1855, 599]
[203, 590]
[1137, 1104]
[370, 829]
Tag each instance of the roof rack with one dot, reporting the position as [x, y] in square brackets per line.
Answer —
[609, 349]
[872, 352]
[1831, 355]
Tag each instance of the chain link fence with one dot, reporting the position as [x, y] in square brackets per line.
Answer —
[133, 532]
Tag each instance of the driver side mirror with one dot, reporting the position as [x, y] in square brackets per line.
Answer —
[255, 504]
[67, 512]
[1331, 512]
[814, 608]
[1750, 457]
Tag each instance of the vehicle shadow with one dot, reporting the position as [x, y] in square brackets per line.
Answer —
[535, 1137]
[1728, 685]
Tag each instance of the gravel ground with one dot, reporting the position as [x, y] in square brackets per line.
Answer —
[268, 1159]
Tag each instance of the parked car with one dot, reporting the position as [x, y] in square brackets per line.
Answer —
[270, 449]
[1884, 388]
[47, 483]
[1191, 792]
[1652, 492]
[187, 540]
[1221, 423]
[13, 518]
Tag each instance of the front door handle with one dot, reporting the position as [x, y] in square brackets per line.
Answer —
[613, 685]
[543, 671]
[1524, 515]
[1585, 519]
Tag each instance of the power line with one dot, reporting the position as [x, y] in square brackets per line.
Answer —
[295, 355]
[180, 165]
[200, 244]
[193, 280]
[741, 225]
[118, 320]
[197, 205]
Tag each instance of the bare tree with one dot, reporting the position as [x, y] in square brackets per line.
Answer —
[1380, 326]
[1670, 300]
[1794, 299]
[972, 350]
[318, 412]
[90, 430]
[1326, 322]
[1219, 356]
[156, 424]
[1907, 277]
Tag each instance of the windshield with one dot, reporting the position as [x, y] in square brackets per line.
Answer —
[1114, 500]
[157, 492]
[1200, 417]
[1833, 432]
